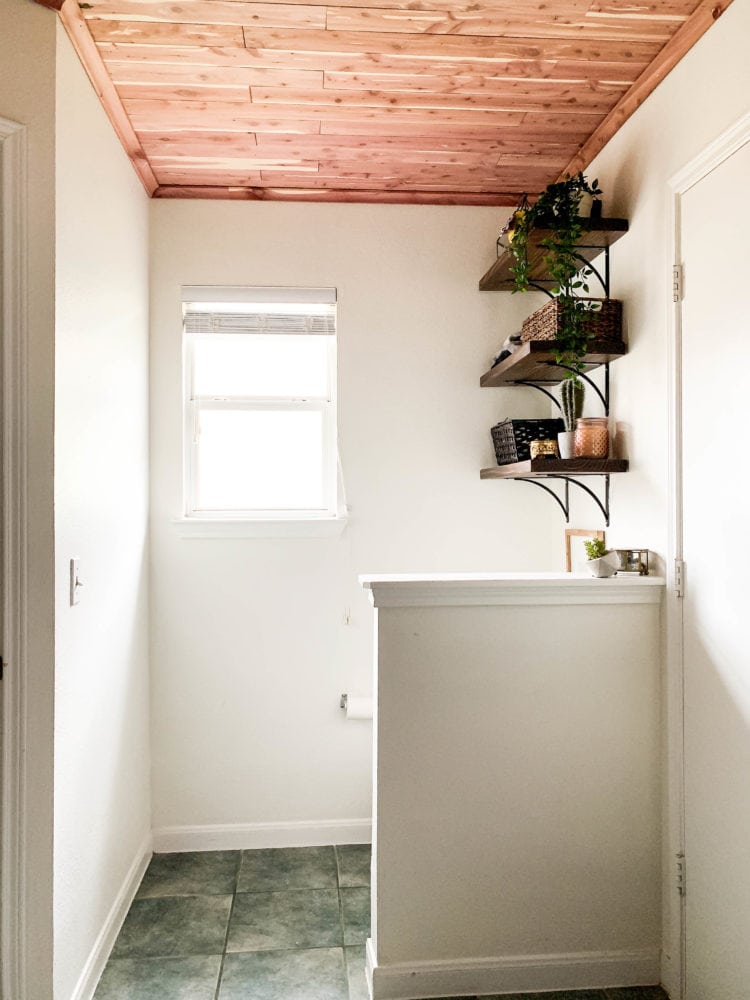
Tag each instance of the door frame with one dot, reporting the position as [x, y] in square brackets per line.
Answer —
[14, 874]
[715, 153]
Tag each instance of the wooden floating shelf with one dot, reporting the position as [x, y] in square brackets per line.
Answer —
[538, 468]
[534, 361]
[598, 234]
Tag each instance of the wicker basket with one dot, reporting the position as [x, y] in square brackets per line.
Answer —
[605, 322]
[512, 438]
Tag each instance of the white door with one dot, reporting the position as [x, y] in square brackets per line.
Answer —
[715, 315]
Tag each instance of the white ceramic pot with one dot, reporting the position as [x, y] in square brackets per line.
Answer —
[566, 444]
[605, 566]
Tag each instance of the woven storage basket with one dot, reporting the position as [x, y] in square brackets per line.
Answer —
[512, 438]
[605, 322]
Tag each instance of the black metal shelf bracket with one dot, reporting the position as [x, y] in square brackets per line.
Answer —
[564, 501]
[585, 262]
[603, 396]
[540, 388]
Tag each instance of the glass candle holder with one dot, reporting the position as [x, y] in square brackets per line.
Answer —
[592, 437]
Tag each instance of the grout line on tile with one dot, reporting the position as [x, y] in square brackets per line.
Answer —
[341, 921]
[338, 866]
[229, 924]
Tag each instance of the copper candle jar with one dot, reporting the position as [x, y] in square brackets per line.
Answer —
[592, 437]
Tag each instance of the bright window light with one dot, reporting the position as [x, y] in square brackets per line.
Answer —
[260, 409]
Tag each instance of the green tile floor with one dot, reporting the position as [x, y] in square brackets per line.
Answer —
[277, 924]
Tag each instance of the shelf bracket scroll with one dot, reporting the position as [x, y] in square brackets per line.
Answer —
[603, 396]
[564, 504]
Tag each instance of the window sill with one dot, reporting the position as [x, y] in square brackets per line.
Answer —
[200, 527]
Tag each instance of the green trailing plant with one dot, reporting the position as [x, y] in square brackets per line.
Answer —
[556, 211]
[572, 394]
[595, 548]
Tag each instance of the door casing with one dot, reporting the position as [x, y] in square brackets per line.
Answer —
[673, 973]
[14, 605]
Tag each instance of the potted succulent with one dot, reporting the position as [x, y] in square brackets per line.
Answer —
[556, 210]
[572, 393]
[602, 561]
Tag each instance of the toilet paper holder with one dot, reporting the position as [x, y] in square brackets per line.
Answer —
[356, 706]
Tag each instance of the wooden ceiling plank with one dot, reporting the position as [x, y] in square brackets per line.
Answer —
[76, 29]
[443, 47]
[162, 33]
[247, 177]
[437, 144]
[495, 22]
[242, 11]
[383, 182]
[437, 77]
[232, 164]
[152, 116]
[209, 12]
[213, 76]
[235, 116]
[510, 101]
[700, 21]
[502, 199]
[436, 172]
[436, 129]
[645, 8]
[519, 60]
[177, 92]
[601, 94]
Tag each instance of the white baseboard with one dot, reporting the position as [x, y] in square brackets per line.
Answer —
[511, 974]
[94, 967]
[246, 836]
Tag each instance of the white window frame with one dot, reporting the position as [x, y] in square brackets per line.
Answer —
[327, 520]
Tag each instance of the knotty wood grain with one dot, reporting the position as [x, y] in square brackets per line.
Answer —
[458, 101]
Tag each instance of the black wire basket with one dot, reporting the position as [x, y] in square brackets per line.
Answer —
[512, 438]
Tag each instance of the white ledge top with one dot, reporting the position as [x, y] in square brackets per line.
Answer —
[420, 590]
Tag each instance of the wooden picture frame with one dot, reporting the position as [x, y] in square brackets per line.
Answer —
[571, 533]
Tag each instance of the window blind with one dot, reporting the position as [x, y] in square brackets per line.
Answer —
[231, 309]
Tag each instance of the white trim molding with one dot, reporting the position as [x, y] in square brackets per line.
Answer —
[14, 955]
[511, 974]
[249, 836]
[312, 527]
[484, 589]
[97, 960]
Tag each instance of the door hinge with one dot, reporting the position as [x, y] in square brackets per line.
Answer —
[679, 577]
[680, 874]
[677, 283]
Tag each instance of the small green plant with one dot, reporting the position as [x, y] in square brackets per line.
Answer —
[572, 393]
[556, 210]
[595, 548]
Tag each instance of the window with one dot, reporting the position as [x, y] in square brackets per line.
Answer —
[260, 408]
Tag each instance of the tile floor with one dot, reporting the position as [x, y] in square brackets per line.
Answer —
[277, 924]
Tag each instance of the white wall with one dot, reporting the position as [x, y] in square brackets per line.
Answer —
[102, 767]
[704, 95]
[249, 650]
[27, 88]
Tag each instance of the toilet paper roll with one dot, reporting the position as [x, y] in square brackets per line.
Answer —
[358, 707]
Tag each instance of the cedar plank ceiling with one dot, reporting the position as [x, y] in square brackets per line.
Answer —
[417, 101]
